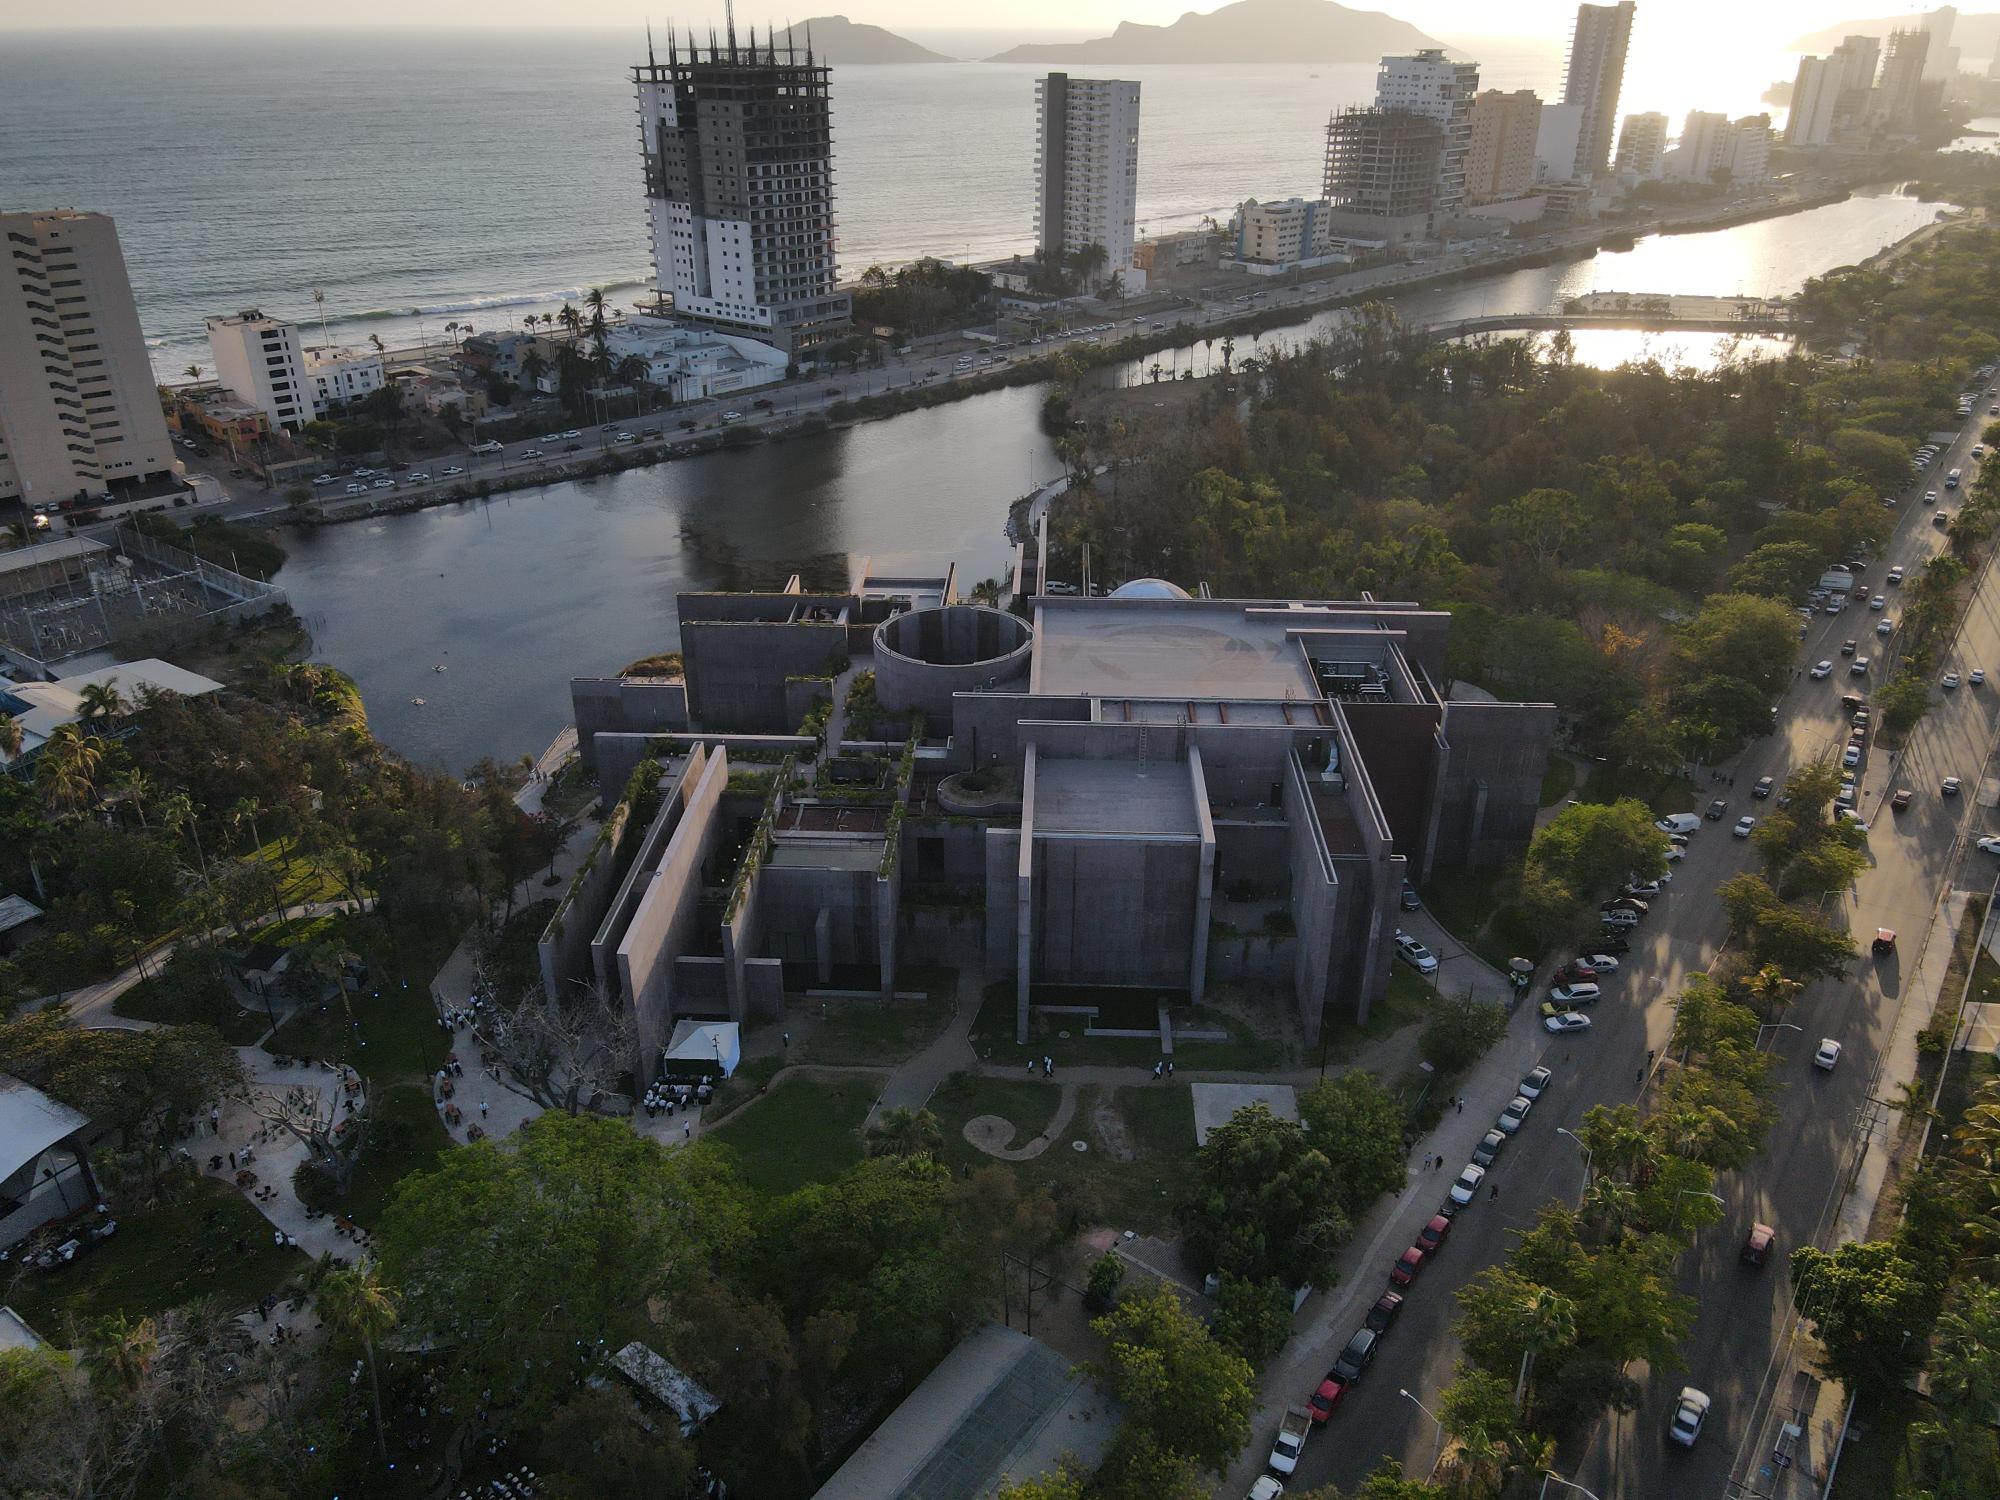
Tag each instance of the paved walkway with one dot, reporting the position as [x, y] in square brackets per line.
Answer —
[92, 1005]
[913, 1082]
[551, 761]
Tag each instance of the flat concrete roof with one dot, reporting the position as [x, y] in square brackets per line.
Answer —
[857, 854]
[1146, 648]
[1114, 796]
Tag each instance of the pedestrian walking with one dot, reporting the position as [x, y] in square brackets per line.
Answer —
[1427, 1161]
[215, 1122]
[232, 1161]
[1496, 1192]
[1440, 1163]
[1170, 1068]
[1158, 1070]
[687, 1131]
[788, 1039]
[1642, 1076]
[482, 1109]
[1459, 1102]
[1651, 1053]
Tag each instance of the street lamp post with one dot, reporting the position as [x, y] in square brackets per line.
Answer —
[1437, 1453]
[1758, 1045]
[1561, 1130]
[1548, 1474]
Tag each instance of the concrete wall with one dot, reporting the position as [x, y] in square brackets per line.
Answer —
[1114, 910]
[925, 656]
[1491, 784]
[801, 693]
[736, 670]
[653, 941]
[564, 948]
[1315, 902]
[794, 901]
[1003, 870]
[624, 705]
[1397, 745]
[988, 725]
[617, 754]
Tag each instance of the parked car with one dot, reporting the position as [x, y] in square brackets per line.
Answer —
[1566, 1023]
[1716, 810]
[1690, 1412]
[1743, 826]
[1466, 1188]
[1358, 1355]
[1628, 903]
[1827, 1058]
[1388, 1307]
[1489, 1148]
[1407, 1266]
[1408, 899]
[1332, 1391]
[1618, 919]
[1603, 963]
[1431, 1238]
[1415, 954]
[1764, 787]
[1583, 992]
[1515, 1112]
[1822, 669]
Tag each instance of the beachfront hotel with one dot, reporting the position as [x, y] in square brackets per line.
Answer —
[79, 417]
[1086, 168]
[738, 150]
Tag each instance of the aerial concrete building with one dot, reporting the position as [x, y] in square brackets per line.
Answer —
[1815, 93]
[1115, 787]
[1898, 99]
[1382, 173]
[259, 360]
[738, 149]
[79, 411]
[1086, 168]
[1594, 78]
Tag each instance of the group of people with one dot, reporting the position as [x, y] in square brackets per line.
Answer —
[1048, 1066]
[666, 1098]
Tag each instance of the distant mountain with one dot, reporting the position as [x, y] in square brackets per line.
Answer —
[1974, 36]
[1250, 31]
[835, 39]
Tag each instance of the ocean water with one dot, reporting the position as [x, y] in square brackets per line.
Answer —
[424, 177]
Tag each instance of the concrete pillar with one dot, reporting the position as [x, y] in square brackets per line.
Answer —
[823, 945]
[1204, 879]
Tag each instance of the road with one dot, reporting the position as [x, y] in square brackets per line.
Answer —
[1918, 855]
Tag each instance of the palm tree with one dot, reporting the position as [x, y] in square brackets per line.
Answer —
[1550, 1320]
[357, 1305]
[139, 790]
[177, 813]
[594, 300]
[99, 700]
[376, 340]
[66, 773]
[633, 370]
[10, 736]
[572, 322]
[531, 322]
[118, 1351]
[193, 372]
[903, 1131]
[1770, 989]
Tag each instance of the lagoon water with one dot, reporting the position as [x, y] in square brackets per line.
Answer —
[518, 594]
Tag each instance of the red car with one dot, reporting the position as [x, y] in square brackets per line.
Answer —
[1431, 1238]
[1331, 1392]
[1404, 1271]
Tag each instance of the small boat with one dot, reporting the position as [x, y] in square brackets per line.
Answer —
[418, 701]
[438, 668]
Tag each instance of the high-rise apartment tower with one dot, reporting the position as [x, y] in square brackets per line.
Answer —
[1594, 78]
[738, 147]
[1086, 168]
[79, 409]
[1642, 144]
[1427, 83]
[1501, 162]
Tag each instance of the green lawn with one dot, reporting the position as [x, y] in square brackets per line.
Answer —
[1557, 780]
[866, 1033]
[395, 1037]
[1409, 1000]
[749, 1080]
[160, 1258]
[1140, 1140]
[804, 1130]
[148, 1000]
[405, 1136]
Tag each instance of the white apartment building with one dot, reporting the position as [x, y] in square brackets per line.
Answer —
[1505, 129]
[1702, 147]
[1815, 93]
[1746, 150]
[690, 364]
[260, 360]
[1561, 127]
[1086, 167]
[1642, 145]
[1281, 233]
[738, 151]
[79, 409]
[1427, 83]
[1595, 76]
[340, 375]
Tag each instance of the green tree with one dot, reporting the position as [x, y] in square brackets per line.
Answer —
[578, 1219]
[1357, 1125]
[1594, 847]
[903, 1131]
[1740, 636]
[1262, 1204]
[1871, 1309]
[597, 1443]
[1254, 1318]
[1903, 700]
[1179, 1386]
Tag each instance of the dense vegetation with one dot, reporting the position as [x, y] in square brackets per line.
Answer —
[926, 296]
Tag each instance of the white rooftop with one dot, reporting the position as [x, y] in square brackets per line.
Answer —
[50, 705]
[30, 1123]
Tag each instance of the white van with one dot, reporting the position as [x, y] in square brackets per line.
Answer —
[487, 447]
[1679, 823]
